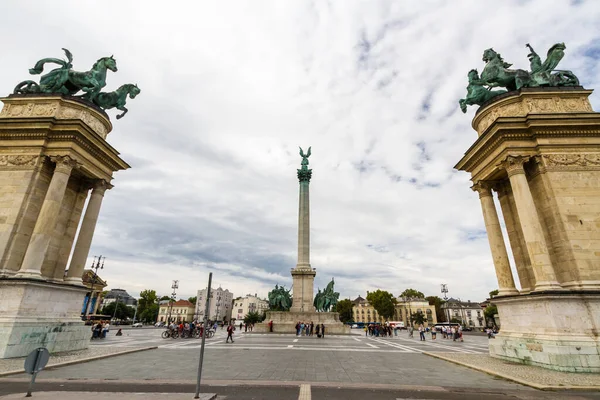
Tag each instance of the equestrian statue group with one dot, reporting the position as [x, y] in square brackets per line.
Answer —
[496, 73]
[65, 81]
[280, 299]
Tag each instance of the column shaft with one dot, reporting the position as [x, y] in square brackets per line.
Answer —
[46, 221]
[506, 282]
[532, 229]
[304, 227]
[86, 233]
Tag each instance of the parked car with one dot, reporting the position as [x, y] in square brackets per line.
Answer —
[159, 324]
[137, 325]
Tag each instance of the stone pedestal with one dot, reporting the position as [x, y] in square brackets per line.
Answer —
[539, 149]
[40, 314]
[52, 151]
[285, 322]
[302, 290]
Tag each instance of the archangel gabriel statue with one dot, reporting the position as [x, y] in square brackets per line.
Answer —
[496, 73]
[65, 81]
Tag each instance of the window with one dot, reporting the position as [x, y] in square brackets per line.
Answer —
[478, 314]
[469, 313]
[240, 310]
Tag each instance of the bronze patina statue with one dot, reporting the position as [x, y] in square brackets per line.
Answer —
[280, 299]
[65, 81]
[496, 73]
[327, 299]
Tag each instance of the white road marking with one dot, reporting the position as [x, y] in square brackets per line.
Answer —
[358, 340]
[372, 345]
[290, 346]
[304, 392]
[295, 340]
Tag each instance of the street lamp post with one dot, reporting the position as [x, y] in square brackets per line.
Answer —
[445, 293]
[116, 306]
[95, 266]
[174, 286]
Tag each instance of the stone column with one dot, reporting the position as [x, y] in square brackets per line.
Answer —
[530, 222]
[304, 226]
[46, 221]
[86, 232]
[515, 236]
[506, 282]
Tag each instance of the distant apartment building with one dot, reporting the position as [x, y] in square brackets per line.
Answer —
[249, 303]
[220, 304]
[404, 309]
[176, 311]
[121, 295]
[467, 312]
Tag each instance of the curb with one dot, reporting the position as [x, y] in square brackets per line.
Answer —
[82, 360]
[514, 379]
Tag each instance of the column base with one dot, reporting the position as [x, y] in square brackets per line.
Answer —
[29, 274]
[546, 286]
[508, 292]
[73, 279]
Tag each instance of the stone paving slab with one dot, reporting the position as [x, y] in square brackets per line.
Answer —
[112, 396]
[12, 366]
[536, 377]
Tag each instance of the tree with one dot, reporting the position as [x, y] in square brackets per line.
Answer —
[418, 318]
[412, 293]
[123, 311]
[493, 293]
[383, 302]
[150, 314]
[437, 302]
[193, 299]
[165, 298]
[489, 313]
[252, 317]
[344, 308]
[147, 299]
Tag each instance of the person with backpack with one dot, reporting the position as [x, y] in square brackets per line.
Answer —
[229, 333]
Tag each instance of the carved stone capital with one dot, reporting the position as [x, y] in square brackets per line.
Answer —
[100, 186]
[484, 188]
[304, 175]
[503, 188]
[64, 164]
[514, 165]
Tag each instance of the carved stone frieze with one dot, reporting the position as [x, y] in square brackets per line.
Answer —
[58, 108]
[18, 160]
[528, 104]
[576, 160]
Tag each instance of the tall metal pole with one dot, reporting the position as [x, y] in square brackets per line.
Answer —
[116, 306]
[204, 330]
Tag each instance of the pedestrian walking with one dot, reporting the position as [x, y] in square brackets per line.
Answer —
[271, 326]
[229, 334]
[318, 330]
[241, 324]
[312, 327]
[322, 330]
[421, 333]
[433, 333]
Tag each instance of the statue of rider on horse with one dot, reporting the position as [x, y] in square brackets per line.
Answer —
[496, 73]
[65, 81]
[327, 299]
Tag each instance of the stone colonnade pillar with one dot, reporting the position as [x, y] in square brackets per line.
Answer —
[506, 283]
[532, 229]
[86, 232]
[44, 226]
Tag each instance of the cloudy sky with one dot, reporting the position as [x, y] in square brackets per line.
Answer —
[231, 89]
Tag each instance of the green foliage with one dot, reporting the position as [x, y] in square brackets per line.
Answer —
[344, 308]
[418, 318]
[437, 302]
[193, 299]
[490, 311]
[493, 293]
[147, 306]
[412, 293]
[123, 311]
[149, 315]
[383, 302]
[165, 298]
[455, 321]
[252, 317]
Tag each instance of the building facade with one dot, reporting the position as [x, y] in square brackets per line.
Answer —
[121, 295]
[93, 298]
[178, 311]
[220, 304]
[467, 312]
[244, 305]
[405, 307]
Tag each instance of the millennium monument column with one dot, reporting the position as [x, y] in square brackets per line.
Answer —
[538, 148]
[303, 275]
[285, 310]
[53, 150]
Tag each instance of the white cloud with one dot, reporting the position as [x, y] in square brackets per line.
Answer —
[231, 89]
